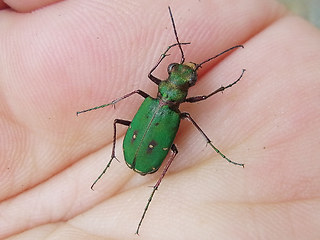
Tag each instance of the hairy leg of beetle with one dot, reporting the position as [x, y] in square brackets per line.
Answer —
[204, 97]
[155, 187]
[113, 153]
[163, 55]
[187, 116]
[140, 92]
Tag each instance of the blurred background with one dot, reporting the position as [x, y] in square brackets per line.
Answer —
[308, 9]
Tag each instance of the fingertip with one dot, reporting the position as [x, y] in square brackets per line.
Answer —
[27, 5]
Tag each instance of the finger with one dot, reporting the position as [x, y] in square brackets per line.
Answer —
[3, 5]
[29, 5]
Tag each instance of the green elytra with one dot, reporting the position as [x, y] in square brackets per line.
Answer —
[151, 133]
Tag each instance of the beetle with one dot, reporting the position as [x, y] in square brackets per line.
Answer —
[151, 133]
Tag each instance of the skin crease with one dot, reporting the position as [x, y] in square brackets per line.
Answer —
[73, 55]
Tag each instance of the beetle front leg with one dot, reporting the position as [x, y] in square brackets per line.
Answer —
[140, 92]
[113, 153]
[155, 187]
[163, 55]
[187, 116]
[204, 97]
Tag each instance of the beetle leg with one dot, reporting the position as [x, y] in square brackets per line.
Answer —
[163, 55]
[187, 115]
[140, 92]
[155, 187]
[113, 153]
[222, 88]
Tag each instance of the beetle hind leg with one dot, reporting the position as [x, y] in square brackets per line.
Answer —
[155, 187]
[113, 153]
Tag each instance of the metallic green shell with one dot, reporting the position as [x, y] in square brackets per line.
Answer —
[150, 136]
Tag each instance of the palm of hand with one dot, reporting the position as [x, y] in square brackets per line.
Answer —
[269, 121]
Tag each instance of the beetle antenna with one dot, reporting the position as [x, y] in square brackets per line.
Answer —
[176, 35]
[225, 51]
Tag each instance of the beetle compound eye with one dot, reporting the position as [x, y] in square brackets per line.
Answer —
[171, 66]
[193, 79]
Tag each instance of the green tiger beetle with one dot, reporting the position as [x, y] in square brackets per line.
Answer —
[151, 133]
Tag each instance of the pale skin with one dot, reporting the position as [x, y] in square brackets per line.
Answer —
[73, 55]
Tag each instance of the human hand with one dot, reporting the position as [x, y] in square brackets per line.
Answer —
[70, 56]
